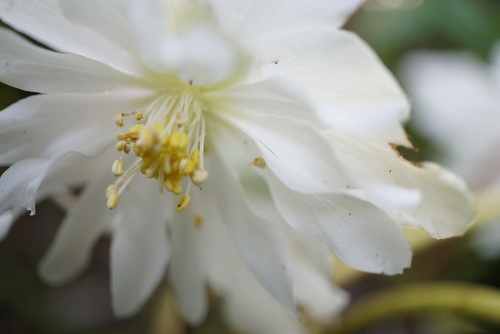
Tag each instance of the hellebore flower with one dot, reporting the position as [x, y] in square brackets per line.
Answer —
[158, 107]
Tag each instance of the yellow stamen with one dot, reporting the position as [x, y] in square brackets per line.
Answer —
[119, 120]
[199, 176]
[113, 196]
[167, 146]
[183, 203]
[259, 162]
[117, 167]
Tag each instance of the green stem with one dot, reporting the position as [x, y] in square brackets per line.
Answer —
[476, 302]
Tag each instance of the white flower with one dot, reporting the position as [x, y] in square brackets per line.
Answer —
[457, 100]
[179, 99]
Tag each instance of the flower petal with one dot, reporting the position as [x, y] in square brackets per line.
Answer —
[197, 51]
[345, 78]
[206, 58]
[445, 209]
[259, 241]
[32, 68]
[158, 49]
[44, 21]
[316, 294]
[295, 151]
[70, 252]
[455, 98]
[360, 234]
[187, 272]
[139, 248]
[252, 21]
[19, 184]
[250, 309]
[76, 121]
[104, 17]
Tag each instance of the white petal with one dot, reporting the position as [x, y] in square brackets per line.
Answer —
[206, 58]
[295, 151]
[253, 21]
[314, 289]
[345, 76]
[445, 208]
[139, 248]
[187, 272]
[194, 49]
[49, 125]
[32, 68]
[360, 234]
[150, 23]
[70, 252]
[316, 294]
[455, 98]
[104, 17]
[44, 21]
[19, 184]
[364, 117]
[259, 241]
[247, 305]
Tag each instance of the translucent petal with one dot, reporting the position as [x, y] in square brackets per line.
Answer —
[19, 184]
[76, 122]
[257, 21]
[44, 21]
[259, 241]
[32, 68]
[251, 309]
[445, 208]
[187, 270]
[360, 234]
[295, 151]
[70, 252]
[139, 249]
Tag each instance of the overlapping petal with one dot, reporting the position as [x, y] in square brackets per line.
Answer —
[80, 122]
[360, 234]
[259, 241]
[228, 274]
[445, 208]
[187, 271]
[295, 151]
[69, 253]
[44, 21]
[345, 78]
[32, 68]
[140, 249]
[258, 21]
[19, 184]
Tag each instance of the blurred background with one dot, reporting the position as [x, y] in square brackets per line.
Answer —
[394, 28]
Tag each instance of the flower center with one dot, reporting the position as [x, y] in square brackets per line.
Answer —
[168, 142]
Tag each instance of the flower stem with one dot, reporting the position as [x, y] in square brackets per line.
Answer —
[475, 302]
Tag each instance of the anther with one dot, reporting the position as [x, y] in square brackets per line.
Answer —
[117, 167]
[183, 203]
[259, 162]
[113, 196]
[199, 176]
[120, 146]
[119, 120]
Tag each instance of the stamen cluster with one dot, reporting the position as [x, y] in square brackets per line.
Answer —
[165, 156]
